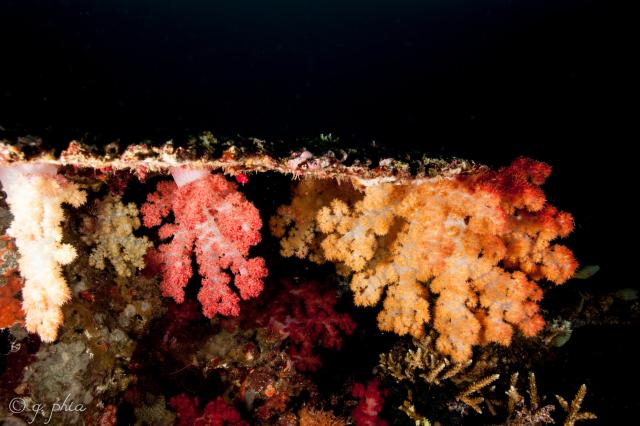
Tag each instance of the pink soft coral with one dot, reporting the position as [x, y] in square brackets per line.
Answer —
[215, 413]
[213, 216]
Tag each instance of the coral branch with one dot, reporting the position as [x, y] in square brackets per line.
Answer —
[573, 411]
[474, 402]
[521, 414]
[213, 219]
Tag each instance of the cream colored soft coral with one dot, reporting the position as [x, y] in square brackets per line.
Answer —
[113, 236]
[35, 194]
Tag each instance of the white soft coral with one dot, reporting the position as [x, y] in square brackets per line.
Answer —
[35, 194]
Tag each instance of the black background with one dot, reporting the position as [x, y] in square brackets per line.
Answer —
[485, 80]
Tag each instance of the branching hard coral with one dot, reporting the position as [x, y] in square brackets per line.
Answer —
[573, 411]
[217, 222]
[409, 409]
[521, 414]
[472, 245]
[424, 362]
[467, 395]
[111, 231]
[35, 194]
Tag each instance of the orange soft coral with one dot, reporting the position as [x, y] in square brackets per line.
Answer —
[472, 246]
[295, 224]
[529, 248]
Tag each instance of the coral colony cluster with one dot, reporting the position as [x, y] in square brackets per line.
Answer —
[143, 287]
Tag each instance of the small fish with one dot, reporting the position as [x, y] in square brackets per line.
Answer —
[586, 272]
[627, 294]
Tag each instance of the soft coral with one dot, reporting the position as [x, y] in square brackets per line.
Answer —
[213, 216]
[215, 413]
[11, 312]
[371, 400]
[306, 316]
[462, 253]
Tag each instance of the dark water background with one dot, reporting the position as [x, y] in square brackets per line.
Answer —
[486, 80]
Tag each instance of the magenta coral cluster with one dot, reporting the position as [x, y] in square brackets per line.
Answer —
[370, 405]
[215, 413]
[306, 316]
[181, 316]
[214, 220]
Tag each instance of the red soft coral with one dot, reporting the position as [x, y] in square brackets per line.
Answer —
[215, 413]
[212, 216]
[518, 185]
[11, 312]
[371, 400]
[178, 328]
[306, 316]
